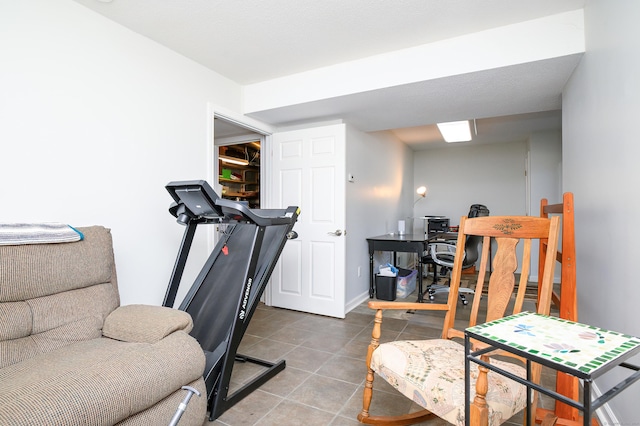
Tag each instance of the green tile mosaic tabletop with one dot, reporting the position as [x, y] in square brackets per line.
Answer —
[580, 347]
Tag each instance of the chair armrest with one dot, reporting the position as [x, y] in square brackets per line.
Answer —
[443, 253]
[450, 247]
[145, 323]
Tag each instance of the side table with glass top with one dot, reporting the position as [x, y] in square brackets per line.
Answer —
[581, 350]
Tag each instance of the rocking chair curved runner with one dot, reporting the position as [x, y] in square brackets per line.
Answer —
[431, 372]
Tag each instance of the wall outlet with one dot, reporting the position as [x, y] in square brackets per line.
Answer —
[359, 272]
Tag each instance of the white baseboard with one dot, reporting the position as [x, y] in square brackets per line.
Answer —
[356, 301]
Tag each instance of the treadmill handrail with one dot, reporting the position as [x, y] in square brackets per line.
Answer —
[210, 208]
[282, 217]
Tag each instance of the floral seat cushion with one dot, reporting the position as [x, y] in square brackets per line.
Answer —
[431, 373]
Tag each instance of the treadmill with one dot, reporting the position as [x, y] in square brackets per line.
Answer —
[227, 290]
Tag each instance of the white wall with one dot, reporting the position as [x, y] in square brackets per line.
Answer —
[555, 36]
[94, 122]
[460, 176]
[600, 151]
[381, 194]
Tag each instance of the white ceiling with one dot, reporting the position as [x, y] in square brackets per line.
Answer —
[250, 41]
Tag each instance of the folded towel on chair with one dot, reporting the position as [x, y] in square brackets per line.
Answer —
[37, 233]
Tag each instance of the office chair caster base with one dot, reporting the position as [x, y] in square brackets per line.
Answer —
[431, 293]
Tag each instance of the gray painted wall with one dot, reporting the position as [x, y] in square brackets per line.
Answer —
[545, 181]
[380, 195]
[601, 147]
[493, 175]
[463, 175]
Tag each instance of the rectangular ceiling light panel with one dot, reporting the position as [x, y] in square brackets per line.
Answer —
[455, 131]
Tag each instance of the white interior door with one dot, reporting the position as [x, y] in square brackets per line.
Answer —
[309, 172]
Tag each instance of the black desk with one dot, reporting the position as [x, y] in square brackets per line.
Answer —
[416, 243]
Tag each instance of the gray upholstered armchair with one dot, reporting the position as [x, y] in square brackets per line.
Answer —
[70, 355]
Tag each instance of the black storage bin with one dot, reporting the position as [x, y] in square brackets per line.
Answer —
[386, 287]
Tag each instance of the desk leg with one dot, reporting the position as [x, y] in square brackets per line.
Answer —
[371, 290]
[420, 300]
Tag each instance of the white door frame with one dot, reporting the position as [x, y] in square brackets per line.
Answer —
[213, 112]
[256, 126]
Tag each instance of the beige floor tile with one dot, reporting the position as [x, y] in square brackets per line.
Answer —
[250, 410]
[290, 413]
[323, 393]
[323, 381]
[307, 359]
[286, 381]
[344, 368]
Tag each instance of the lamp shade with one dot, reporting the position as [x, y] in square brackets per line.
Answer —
[422, 192]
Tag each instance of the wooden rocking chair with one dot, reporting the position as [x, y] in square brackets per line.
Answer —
[431, 372]
[566, 301]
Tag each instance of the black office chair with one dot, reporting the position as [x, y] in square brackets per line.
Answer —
[442, 254]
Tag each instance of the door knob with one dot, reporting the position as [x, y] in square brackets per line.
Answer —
[336, 233]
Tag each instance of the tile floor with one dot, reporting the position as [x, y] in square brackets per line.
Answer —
[323, 380]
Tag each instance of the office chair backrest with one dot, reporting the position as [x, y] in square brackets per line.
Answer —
[472, 253]
[473, 241]
[478, 210]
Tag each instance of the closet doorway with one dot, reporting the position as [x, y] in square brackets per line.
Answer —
[239, 162]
